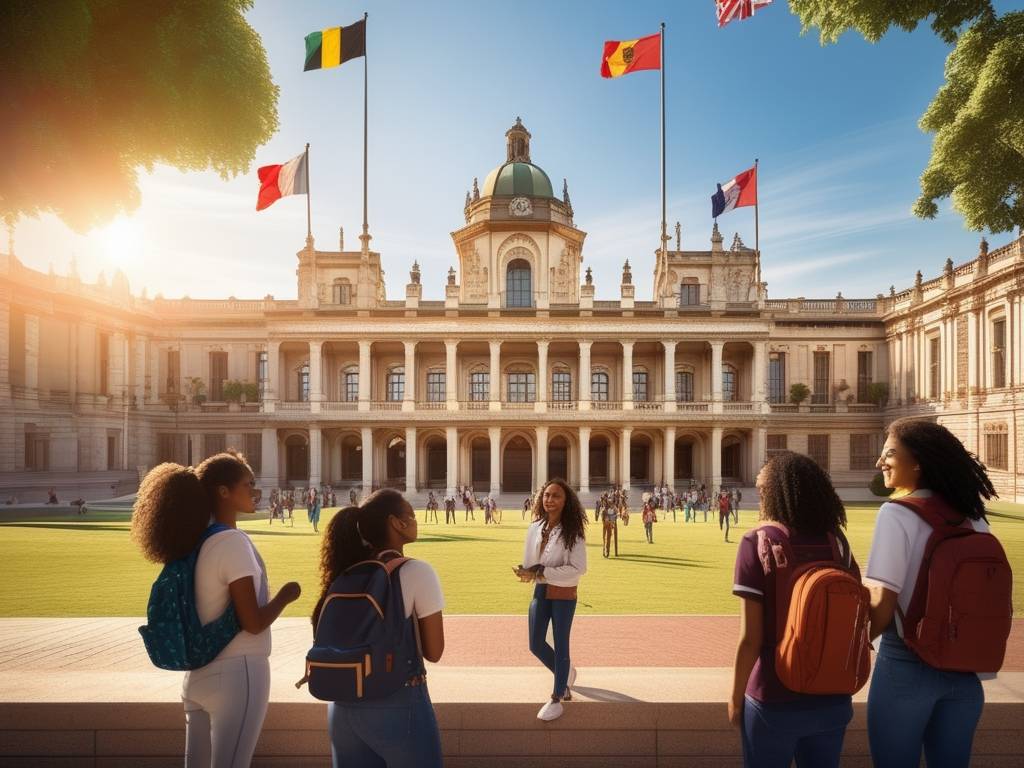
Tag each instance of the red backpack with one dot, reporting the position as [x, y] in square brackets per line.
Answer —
[822, 613]
[961, 608]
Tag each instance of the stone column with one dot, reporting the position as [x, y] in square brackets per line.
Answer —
[668, 475]
[494, 377]
[972, 353]
[760, 451]
[409, 400]
[273, 391]
[715, 481]
[943, 360]
[139, 371]
[316, 376]
[366, 433]
[315, 456]
[584, 459]
[494, 437]
[5, 349]
[542, 375]
[154, 371]
[451, 436]
[759, 376]
[451, 374]
[716, 370]
[542, 457]
[627, 375]
[364, 375]
[32, 354]
[670, 375]
[584, 376]
[410, 460]
[269, 474]
[624, 436]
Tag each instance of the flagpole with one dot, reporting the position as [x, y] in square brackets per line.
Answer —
[309, 224]
[366, 228]
[757, 233]
[664, 235]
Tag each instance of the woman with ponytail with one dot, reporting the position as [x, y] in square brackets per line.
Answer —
[226, 700]
[366, 733]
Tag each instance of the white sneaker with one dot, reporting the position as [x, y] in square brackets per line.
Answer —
[552, 710]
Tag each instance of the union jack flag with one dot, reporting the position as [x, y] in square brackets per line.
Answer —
[731, 10]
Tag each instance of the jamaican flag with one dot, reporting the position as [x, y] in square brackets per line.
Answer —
[333, 47]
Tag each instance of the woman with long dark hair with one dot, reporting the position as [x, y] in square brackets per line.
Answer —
[912, 705]
[555, 557]
[225, 701]
[798, 501]
[367, 733]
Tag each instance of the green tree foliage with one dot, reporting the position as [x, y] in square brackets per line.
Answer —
[977, 116]
[94, 90]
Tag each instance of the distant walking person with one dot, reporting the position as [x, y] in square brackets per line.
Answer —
[724, 512]
[313, 510]
[650, 517]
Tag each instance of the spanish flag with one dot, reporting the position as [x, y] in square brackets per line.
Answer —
[333, 47]
[624, 56]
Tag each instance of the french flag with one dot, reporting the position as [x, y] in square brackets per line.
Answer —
[735, 193]
[277, 181]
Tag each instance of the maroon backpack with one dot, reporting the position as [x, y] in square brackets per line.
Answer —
[961, 608]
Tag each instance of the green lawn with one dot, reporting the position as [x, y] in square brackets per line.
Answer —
[64, 566]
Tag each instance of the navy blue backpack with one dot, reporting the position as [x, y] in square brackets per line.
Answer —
[364, 647]
[175, 638]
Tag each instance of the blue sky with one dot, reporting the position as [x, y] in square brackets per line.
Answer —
[835, 129]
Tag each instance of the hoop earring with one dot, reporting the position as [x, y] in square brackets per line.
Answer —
[363, 541]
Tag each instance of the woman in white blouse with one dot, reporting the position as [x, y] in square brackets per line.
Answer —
[555, 558]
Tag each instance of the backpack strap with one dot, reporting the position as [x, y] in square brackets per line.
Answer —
[933, 510]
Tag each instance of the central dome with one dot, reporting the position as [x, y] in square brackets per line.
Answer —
[518, 179]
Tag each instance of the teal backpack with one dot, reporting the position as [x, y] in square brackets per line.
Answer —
[175, 638]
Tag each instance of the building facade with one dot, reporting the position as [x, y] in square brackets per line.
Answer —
[519, 374]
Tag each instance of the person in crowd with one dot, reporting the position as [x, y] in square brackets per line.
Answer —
[610, 526]
[399, 731]
[777, 724]
[353, 497]
[226, 700]
[313, 510]
[724, 513]
[912, 705]
[51, 496]
[449, 508]
[650, 517]
[554, 560]
[467, 500]
[737, 498]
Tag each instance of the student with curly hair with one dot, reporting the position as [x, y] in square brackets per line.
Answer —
[912, 705]
[555, 557]
[225, 701]
[399, 731]
[777, 725]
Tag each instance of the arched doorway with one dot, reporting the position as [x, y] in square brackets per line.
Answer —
[351, 459]
[394, 473]
[640, 460]
[599, 461]
[480, 471]
[517, 466]
[732, 454]
[558, 458]
[437, 462]
[684, 460]
[296, 463]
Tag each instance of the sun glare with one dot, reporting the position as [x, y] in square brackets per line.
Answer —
[121, 241]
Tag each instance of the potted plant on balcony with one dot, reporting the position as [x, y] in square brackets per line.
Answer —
[232, 393]
[843, 395]
[878, 393]
[196, 390]
[798, 393]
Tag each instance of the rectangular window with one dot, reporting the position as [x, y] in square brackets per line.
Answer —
[864, 364]
[113, 455]
[820, 394]
[863, 451]
[728, 384]
[684, 387]
[37, 452]
[777, 377]
[218, 373]
[689, 295]
[999, 354]
[435, 387]
[173, 371]
[263, 373]
[351, 386]
[253, 450]
[817, 449]
[561, 386]
[396, 385]
[479, 387]
[342, 293]
[934, 368]
[776, 444]
[522, 388]
[213, 443]
[996, 447]
[104, 363]
[599, 387]
[640, 386]
[304, 383]
[166, 447]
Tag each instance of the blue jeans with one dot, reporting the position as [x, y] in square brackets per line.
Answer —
[911, 705]
[557, 613]
[812, 733]
[397, 732]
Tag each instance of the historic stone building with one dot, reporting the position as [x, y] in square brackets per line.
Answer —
[520, 373]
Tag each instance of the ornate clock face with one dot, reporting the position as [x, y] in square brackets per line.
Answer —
[520, 206]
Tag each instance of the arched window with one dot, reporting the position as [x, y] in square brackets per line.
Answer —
[561, 385]
[599, 386]
[350, 384]
[396, 384]
[684, 386]
[728, 383]
[518, 290]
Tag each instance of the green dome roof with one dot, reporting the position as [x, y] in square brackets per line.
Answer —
[517, 179]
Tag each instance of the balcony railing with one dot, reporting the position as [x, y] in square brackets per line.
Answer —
[648, 405]
[297, 406]
[474, 405]
[785, 407]
[737, 407]
[562, 405]
[341, 405]
[607, 405]
[517, 406]
[387, 405]
[431, 405]
[687, 406]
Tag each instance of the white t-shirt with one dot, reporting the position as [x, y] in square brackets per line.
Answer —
[421, 589]
[226, 557]
[898, 547]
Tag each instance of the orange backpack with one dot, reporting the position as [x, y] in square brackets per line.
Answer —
[822, 613]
